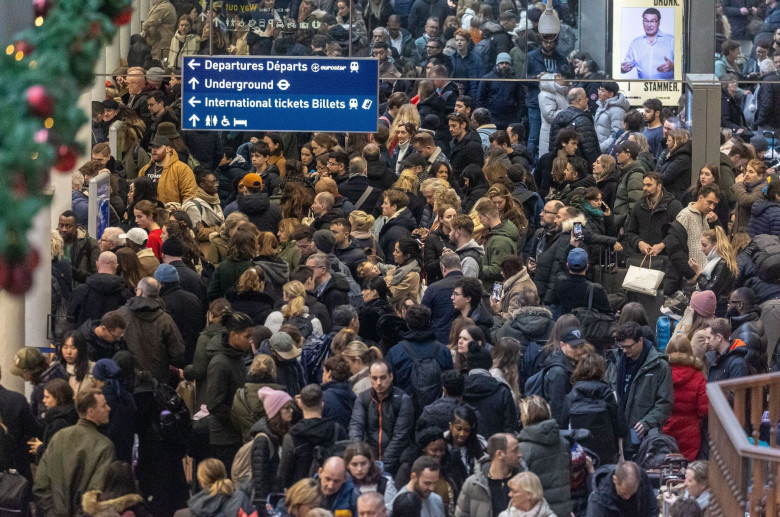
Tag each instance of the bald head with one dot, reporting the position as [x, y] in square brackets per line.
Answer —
[107, 263]
[332, 474]
[626, 479]
[150, 288]
[371, 503]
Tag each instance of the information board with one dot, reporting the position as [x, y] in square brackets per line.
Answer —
[256, 93]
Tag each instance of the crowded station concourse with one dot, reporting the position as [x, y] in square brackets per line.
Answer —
[489, 306]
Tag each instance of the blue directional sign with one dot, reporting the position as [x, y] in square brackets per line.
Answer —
[279, 94]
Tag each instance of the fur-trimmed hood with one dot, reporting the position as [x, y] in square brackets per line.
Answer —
[568, 224]
[111, 507]
[678, 359]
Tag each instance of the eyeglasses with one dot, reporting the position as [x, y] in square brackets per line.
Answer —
[626, 347]
[734, 302]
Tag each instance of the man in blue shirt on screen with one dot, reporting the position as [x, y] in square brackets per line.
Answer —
[652, 54]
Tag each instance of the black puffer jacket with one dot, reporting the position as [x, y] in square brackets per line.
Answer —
[608, 187]
[605, 501]
[298, 447]
[265, 462]
[101, 293]
[553, 260]
[750, 329]
[226, 373]
[529, 324]
[582, 121]
[548, 455]
[557, 384]
[438, 413]
[676, 170]
[732, 364]
[379, 176]
[260, 211]
[369, 316]
[767, 112]
[493, 401]
[56, 418]
[435, 243]
[394, 230]
[721, 282]
[467, 151]
[257, 305]
[386, 426]
[188, 314]
[99, 348]
[644, 224]
[338, 398]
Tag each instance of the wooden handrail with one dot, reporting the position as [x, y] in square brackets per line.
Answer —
[721, 408]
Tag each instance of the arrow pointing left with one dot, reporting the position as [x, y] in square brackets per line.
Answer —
[193, 102]
[192, 64]
[194, 119]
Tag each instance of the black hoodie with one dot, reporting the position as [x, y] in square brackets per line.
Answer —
[298, 447]
[258, 208]
[100, 348]
[557, 384]
[102, 292]
[605, 501]
[494, 402]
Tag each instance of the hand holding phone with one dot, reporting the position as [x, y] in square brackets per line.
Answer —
[577, 231]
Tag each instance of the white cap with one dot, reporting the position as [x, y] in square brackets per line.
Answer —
[137, 235]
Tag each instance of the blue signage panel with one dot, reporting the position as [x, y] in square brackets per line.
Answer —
[257, 93]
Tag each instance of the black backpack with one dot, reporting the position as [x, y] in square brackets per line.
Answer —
[15, 494]
[598, 327]
[593, 415]
[173, 421]
[654, 449]
[320, 453]
[425, 379]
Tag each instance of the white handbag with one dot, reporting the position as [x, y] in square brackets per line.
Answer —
[643, 280]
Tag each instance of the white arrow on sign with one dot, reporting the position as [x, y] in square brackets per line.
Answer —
[193, 64]
[283, 84]
[237, 122]
[193, 83]
[194, 119]
[193, 102]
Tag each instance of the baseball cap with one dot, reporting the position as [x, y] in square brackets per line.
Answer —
[627, 145]
[160, 141]
[137, 235]
[252, 180]
[574, 337]
[26, 358]
[415, 160]
[282, 344]
[577, 259]
[503, 57]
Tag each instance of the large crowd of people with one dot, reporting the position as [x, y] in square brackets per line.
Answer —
[429, 320]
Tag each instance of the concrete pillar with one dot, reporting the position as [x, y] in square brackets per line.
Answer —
[123, 37]
[700, 32]
[37, 301]
[112, 58]
[144, 7]
[99, 85]
[12, 307]
[703, 120]
[135, 21]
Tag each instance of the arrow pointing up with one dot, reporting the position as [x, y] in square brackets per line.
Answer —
[193, 102]
[194, 119]
[193, 64]
[193, 83]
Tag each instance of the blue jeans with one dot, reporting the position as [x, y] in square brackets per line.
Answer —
[534, 126]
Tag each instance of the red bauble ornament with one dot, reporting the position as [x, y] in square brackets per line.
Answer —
[41, 7]
[94, 30]
[40, 102]
[123, 18]
[66, 159]
[33, 258]
[19, 279]
[25, 47]
[19, 185]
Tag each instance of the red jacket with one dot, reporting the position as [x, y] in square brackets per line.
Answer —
[690, 405]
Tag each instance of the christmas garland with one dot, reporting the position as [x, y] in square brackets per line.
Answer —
[41, 76]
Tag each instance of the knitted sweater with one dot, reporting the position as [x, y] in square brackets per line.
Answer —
[695, 224]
